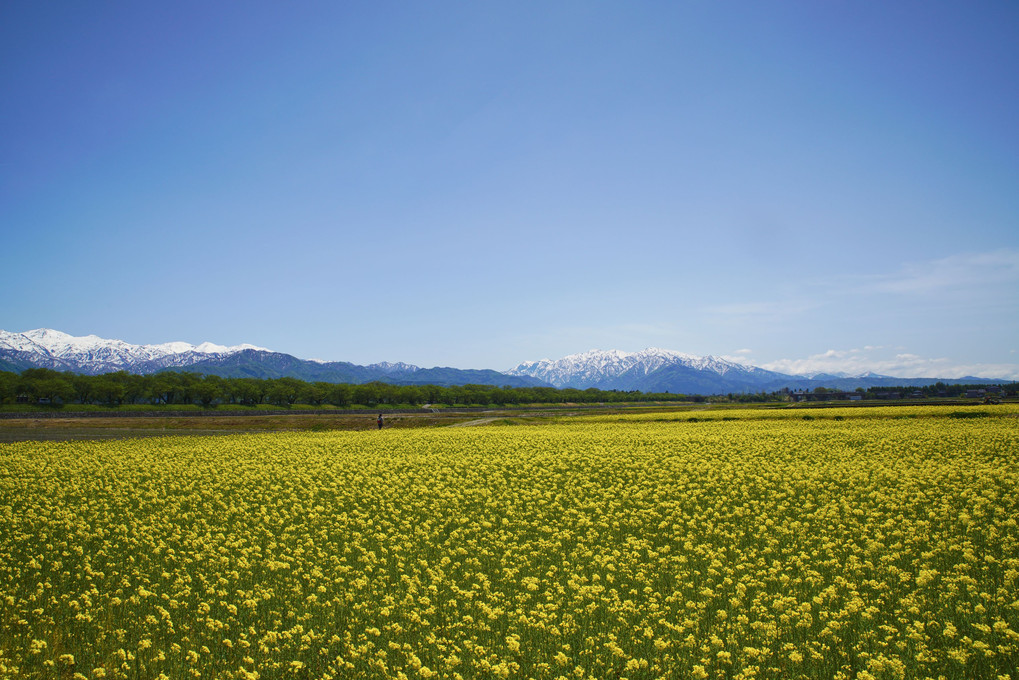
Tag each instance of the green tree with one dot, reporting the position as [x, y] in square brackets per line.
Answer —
[84, 388]
[285, 391]
[368, 394]
[209, 389]
[188, 385]
[54, 389]
[136, 387]
[249, 391]
[8, 386]
[317, 393]
[165, 387]
[45, 383]
[109, 391]
[340, 394]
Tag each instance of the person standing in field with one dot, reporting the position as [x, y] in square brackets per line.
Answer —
[380, 421]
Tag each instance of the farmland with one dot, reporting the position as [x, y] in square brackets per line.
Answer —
[839, 543]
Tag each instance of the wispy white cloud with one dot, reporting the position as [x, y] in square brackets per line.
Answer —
[739, 356]
[963, 281]
[955, 274]
[903, 364]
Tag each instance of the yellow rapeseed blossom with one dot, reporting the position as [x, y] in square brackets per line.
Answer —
[876, 543]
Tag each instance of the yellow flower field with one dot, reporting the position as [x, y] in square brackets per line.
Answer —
[856, 543]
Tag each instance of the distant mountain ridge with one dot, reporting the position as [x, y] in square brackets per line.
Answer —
[660, 370]
[650, 370]
[92, 355]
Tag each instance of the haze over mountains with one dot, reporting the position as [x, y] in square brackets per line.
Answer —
[651, 370]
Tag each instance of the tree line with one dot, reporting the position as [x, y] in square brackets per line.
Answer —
[940, 389]
[47, 386]
[934, 390]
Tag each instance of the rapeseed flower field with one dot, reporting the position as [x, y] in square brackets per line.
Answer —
[856, 543]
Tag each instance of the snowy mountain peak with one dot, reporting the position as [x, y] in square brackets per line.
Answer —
[19, 342]
[93, 354]
[211, 348]
[397, 367]
[56, 341]
[606, 367]
[651, 370]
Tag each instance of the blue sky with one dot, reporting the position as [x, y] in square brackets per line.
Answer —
[802, 185]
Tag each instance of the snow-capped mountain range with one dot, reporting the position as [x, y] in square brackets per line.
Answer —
[662, 370]
[650, 370]
[91, 354]
[596, 367]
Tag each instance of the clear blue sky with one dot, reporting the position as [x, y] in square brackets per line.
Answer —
[799, 184]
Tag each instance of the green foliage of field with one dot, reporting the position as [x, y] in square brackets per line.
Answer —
[863, 543]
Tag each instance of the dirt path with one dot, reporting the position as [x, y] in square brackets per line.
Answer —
[471, 423]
